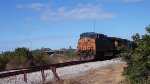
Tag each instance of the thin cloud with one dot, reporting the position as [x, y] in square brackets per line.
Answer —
[19, 6]
[131, 0]
[34, 6]
[38, 6]
[80, 12]
[126, 1]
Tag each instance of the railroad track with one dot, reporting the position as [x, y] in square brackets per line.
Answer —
[41, 68]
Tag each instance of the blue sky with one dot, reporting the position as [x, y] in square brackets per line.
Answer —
[58, 23]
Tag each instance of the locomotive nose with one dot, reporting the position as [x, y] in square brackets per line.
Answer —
[86, 44]
[82, 44]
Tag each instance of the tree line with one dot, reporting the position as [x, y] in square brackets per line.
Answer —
[23, 57]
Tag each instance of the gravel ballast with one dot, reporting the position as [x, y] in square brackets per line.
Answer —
[34, 78]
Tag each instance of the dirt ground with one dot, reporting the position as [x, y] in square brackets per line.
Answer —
[107, 75]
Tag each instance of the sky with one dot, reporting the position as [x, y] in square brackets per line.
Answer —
[58, 24]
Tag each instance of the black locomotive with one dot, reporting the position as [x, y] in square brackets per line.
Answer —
[99, 46]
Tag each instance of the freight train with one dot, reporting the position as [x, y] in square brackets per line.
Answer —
[99, 46]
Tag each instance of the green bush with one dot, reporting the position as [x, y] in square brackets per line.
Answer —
[4, 59]
[20, 58]
[138, 60]
[39, 58]
[2, 63]
[72, 54]
[18, 62]
[23, 52]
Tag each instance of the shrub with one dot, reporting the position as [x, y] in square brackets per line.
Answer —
[18, 62]
[138, 60]
[40, 58]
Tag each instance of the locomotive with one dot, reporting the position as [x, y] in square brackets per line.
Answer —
[99, 46]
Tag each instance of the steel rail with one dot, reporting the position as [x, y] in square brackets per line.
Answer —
[39, 68]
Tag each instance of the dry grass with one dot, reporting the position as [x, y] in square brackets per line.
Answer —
[16, 63]
[63, 59]
[107, 75]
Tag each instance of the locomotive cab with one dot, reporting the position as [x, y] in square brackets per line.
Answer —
[91, 44]
[86, 42]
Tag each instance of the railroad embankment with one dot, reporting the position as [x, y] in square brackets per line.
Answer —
[110, 74]
[68, 72]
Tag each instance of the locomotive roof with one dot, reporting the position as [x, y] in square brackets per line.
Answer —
[115, 38]
[119, 39]
[92, 35]
[99, 35]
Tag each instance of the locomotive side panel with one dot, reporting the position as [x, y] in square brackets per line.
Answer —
[104, 46]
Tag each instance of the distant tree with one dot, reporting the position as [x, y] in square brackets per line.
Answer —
[23, 52]
[20, 58]
[40, 57]
[5, 58]
[3, 62]
[45, 49]
[70, 47]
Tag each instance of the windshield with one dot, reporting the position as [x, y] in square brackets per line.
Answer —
[88, 35]
[91, 35]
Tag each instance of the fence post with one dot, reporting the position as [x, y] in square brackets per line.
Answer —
[55, 75]
[43, 76]
[25, 76]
